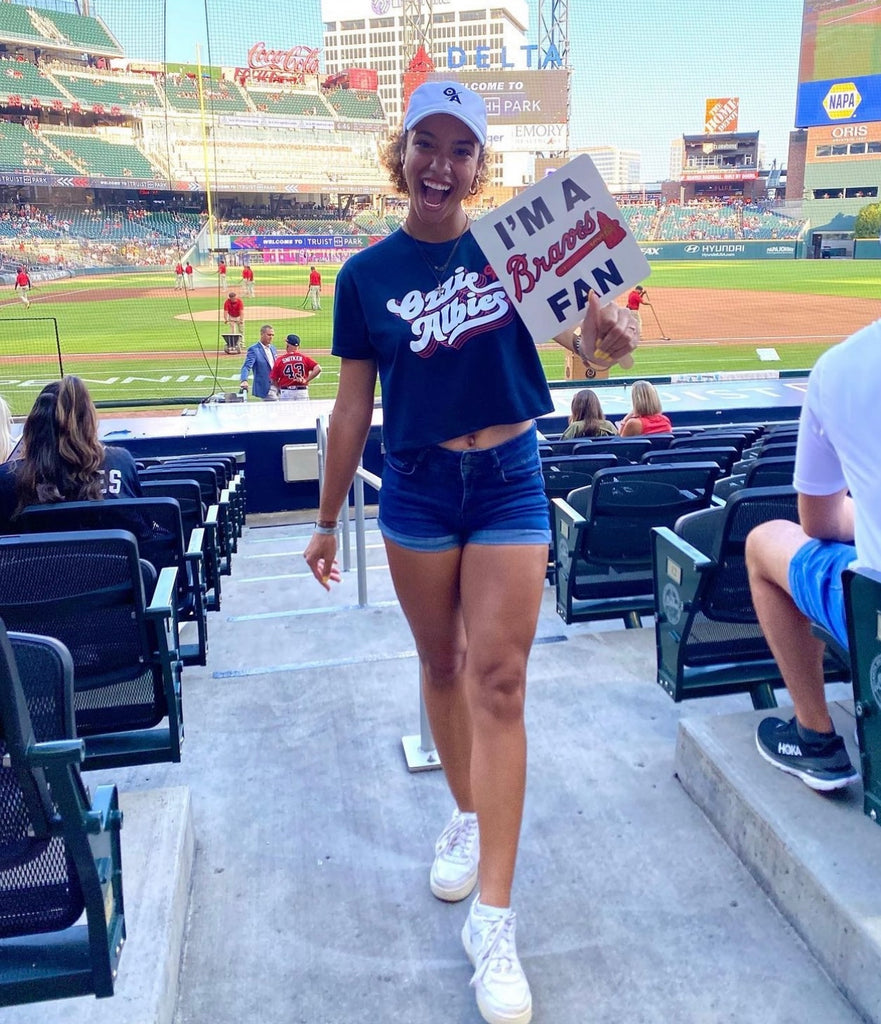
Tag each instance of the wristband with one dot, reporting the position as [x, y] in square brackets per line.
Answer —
[322, 527]
[576, 346]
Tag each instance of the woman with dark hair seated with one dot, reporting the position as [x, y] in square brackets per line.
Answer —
[587, 418]
[61, 456]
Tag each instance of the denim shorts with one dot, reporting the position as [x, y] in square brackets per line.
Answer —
[434, 499]
[815, 583]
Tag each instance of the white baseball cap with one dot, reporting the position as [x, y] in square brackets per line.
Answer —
[447, 98]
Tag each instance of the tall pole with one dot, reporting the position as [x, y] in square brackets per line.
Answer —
[211, 226]
[553, 26]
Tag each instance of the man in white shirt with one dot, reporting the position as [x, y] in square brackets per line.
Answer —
[795, 568]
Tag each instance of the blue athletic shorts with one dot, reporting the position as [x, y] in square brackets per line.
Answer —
[434, 499]
[815, 583]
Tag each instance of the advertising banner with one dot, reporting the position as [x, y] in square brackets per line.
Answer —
[512, 97]
[267, 243]
[751, 250]
[839, 100]
[720, 115]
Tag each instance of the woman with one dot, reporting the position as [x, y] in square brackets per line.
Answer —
[587, 418]
[646, 416]
[62, 458]
[462, 507]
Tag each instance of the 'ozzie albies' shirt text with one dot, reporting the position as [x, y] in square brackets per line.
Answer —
[453, 357]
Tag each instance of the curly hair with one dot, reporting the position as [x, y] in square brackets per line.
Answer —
[392, 158]
[62, 456]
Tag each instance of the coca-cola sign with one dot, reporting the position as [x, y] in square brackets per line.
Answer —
[291, 65]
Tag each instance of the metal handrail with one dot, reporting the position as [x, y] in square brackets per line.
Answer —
[419, 750]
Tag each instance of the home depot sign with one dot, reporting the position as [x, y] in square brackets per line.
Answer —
[721, 115]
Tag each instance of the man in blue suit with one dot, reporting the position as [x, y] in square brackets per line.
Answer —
[260, 358]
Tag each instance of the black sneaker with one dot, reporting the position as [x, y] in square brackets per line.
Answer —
[822, 765]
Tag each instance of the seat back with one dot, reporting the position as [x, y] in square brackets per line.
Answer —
[712, 439]
[205, 476]
[770, 472]
[625, 449]
[186, 493]
[723, 456]
[155, 523]
[862, 601]
[563, 473]
[728, 598]
[85, 589]
[60, 863]
[626, 502]
[40, 888]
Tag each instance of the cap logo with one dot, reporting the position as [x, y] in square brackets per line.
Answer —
[452, 95]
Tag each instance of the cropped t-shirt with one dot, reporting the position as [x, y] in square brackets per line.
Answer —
[453, 355]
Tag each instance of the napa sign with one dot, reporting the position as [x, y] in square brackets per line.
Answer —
[486, 57]
[839, 100]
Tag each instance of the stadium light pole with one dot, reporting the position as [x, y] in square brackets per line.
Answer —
[553, 28]
[211, 232]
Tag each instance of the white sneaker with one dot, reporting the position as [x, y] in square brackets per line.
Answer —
[456, 859]
[501, 988]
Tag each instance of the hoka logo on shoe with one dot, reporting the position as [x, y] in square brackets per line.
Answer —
[789, 749]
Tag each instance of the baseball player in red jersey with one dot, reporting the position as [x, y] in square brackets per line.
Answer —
[179, 276]
[234, 315]
[293, 372]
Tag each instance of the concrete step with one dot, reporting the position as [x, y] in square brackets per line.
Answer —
[816, 855]
[158, 847]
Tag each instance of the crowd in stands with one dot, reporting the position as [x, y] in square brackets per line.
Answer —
[127, 235]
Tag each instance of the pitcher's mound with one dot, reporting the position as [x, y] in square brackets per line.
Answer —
[253, 314]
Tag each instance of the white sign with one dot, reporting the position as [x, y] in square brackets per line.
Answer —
[558, 241]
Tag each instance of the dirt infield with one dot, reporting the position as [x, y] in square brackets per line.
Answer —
[729, 316]
[254, 314]
[684, 316]
[107, 288]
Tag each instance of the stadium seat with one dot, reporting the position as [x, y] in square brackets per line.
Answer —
[157, 525]
[862, 601]
[62, 921]
[603, 556]
[86, 589]
[707, 635]
[194, 516]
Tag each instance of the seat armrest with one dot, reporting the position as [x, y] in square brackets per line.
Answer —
[162, 601]
[55, 752]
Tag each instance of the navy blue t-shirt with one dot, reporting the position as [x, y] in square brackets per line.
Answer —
[120, 481]
[453, 357]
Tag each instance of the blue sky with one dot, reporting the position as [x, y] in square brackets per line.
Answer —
[641, 68]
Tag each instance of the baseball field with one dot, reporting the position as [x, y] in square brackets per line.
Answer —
[134, 338]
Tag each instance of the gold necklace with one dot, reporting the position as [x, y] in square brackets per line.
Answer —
[438, 270]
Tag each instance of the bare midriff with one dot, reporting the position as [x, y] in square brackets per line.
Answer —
[487, 437]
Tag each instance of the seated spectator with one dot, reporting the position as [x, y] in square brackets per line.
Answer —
[6, 442]
[587, 418]
[795, 568]
[646, 416]
[61, 456]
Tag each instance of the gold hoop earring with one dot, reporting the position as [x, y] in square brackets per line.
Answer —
[473, 190]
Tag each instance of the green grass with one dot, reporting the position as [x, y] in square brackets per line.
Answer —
[145, 354]
[848, 278]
